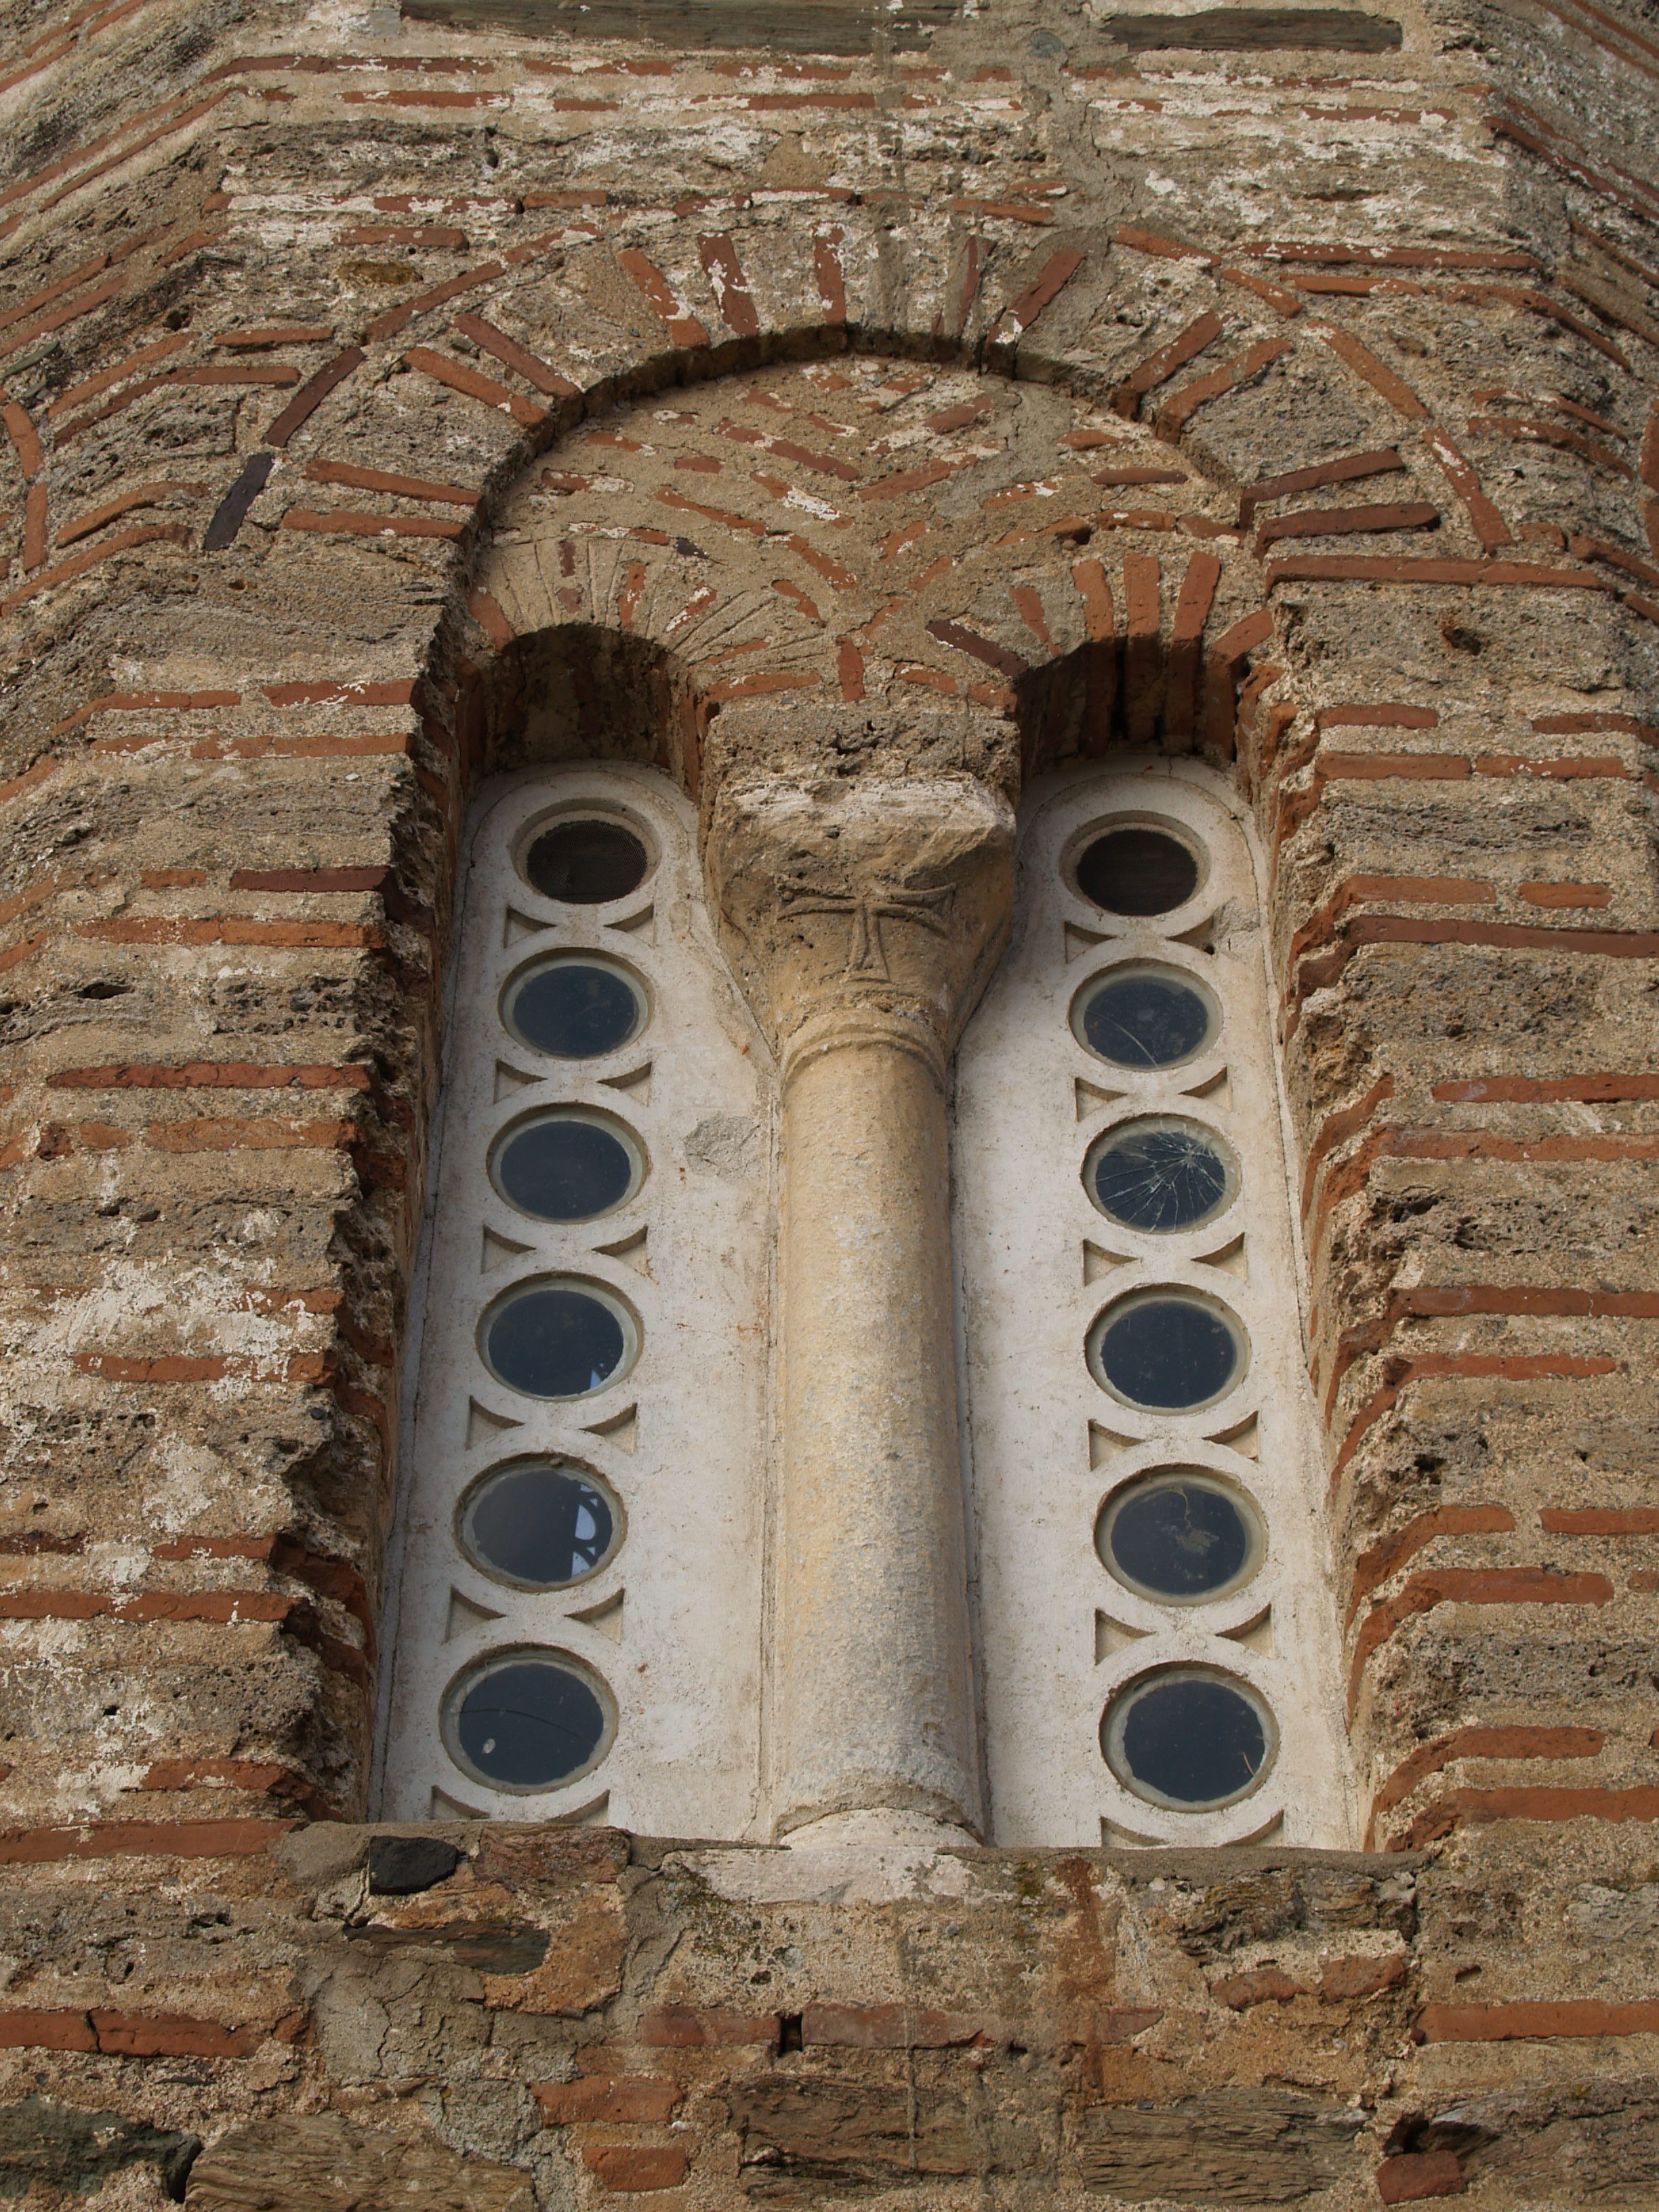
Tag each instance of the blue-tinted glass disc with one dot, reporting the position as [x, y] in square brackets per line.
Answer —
[1160, 1176]
[564, 1167]
[575, 1009]
[1192, 1740]
[527, 1722]
[1180, 1537]
[555, 1341]
[1169, 1354]
[1147, 1017]
[585, 863]
[540, 1525]
[1137, 870]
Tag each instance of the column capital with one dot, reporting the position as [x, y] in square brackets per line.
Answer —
[863, 911]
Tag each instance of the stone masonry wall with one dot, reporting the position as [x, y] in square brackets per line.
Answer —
[1288, 402]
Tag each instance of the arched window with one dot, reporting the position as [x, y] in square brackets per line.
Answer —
[579, 1588]
[1158, 1641]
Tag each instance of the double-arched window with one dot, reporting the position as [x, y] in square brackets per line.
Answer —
[584, 1538]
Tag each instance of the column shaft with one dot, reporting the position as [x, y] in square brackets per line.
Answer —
[872, 1703]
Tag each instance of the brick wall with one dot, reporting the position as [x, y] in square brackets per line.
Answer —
[1295, 406]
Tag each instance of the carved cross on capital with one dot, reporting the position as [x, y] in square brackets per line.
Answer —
[867, 909]
[874, 899]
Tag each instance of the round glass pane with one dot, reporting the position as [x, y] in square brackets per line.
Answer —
[585, 863]
[539, 1525]
[575, 1008]
[1189, 1739]
[1146, 1018]
[1180, 1537]
[527, 1720]
[1161, 1174]
[558, 1339]
[565, 1167]
[1136, 870]
[1172, 1352]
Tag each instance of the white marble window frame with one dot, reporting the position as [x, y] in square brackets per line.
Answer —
[671, 1623]
[1058, 1636]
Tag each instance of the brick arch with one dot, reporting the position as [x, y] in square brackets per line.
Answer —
[868, 530]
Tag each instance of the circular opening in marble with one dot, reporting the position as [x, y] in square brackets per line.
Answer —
[539, 1524]
[1161, 1174]
[1189, 1738]
[1180, 1536]
[585, 860]
[1146, 1017]
[567, 1166]
[529, 1719]
[574, 1006]
[559, 1338]
[1136, 869]
[1168, 1351]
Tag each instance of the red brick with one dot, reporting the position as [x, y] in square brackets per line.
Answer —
[210, 1074]
[1381, 378]
[383, 480]
[1268, 1985]
[1404, 257]
[1177, 412]
[1516, 1740]
[1151, 241]
[984, 649]
[234, 929]
[529, 365]
[1348, 468]
[343, 695]
[354, 522]
[46, 2031]
[763, 680]
[719, 259]
[311, 396]
[1349, 1981]
[645, 2099]
[1378, 568]
[1050, 281]
[636, 2170]
[1416, 2174]
[124, 541]
[1423, 1592]
[891, 2028]
[275, 334]
[1531, 2021]
[1337, 1128]
[1601, 1521]
[1570, 725]
[170, 2035]
[1569, 895]
[1342, 521]
[1490, 526]
[99, 1839]
[1388, 1556]
[1110, 479]
[66, 283]
[684, 328]
[831, 277]
[907, 480]
[1427, 890]
[691, 2028]
[396, 319]
[1283, 302]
